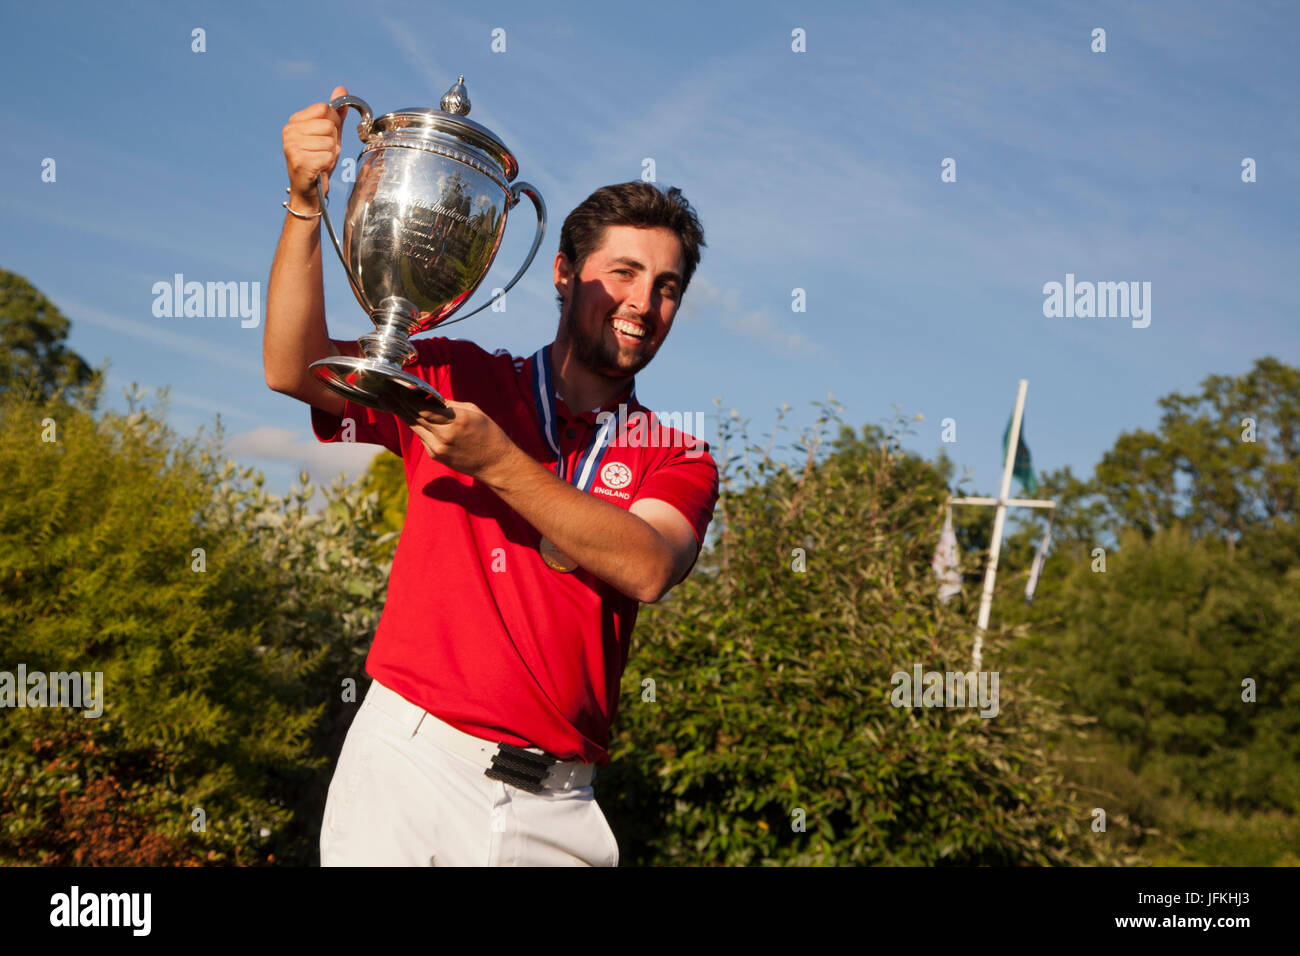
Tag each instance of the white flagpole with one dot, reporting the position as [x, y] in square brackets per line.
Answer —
[1040, 558]
[995, 548]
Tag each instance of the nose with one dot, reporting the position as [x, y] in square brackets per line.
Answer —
[640, 293]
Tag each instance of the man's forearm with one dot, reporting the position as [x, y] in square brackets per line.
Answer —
[614, 545]
[295, 333]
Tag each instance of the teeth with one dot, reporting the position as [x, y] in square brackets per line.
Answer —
[628, 328]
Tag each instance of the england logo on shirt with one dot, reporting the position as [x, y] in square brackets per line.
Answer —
[616, 475]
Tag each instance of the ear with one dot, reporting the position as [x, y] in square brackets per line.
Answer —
[562, 270]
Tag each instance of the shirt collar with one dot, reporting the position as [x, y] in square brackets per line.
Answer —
[624, 397]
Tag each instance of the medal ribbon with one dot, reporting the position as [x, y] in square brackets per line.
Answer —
[544, 396]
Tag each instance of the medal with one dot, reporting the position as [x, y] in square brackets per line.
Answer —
[556, 559]
[588, 462]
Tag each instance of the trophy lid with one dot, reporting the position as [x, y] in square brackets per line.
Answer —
[452, 120]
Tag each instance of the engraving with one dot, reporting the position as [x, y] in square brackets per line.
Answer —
[441, 210]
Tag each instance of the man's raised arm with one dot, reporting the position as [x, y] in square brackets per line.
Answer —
[295, 334]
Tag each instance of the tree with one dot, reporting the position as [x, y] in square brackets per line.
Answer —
[1221, 462]
[226, 624]
[770, 737]
[1199, 593]
[32, 351]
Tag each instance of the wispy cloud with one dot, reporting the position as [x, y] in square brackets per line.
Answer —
[295, 67]
[186, 400]
[82, 224]
[704, 297]
[817, 170]
[158, 334]
[417, 57]
[224, 409]
[762, 327]
[705, 301]
[322, 461]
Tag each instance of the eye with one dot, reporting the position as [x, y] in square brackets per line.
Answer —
[623, 272]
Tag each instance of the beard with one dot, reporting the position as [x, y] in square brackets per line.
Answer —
[594, 353]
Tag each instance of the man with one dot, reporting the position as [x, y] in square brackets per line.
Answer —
[534, 528]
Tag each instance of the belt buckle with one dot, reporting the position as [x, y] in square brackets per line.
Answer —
[520, 767]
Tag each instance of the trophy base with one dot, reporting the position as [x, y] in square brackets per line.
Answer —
[376, 384]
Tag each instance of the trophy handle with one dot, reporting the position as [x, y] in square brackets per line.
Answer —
[363, 130]
[362, 107]
[324, 214]
[529, 190]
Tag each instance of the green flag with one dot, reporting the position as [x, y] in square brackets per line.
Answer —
[1023, 470]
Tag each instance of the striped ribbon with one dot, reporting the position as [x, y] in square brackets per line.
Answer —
[544, 396]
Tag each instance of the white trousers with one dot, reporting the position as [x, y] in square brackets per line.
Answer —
[398, 798]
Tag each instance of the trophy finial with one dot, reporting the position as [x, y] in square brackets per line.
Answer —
[456, 99]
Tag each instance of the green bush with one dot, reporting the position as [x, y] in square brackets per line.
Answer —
[222, 619]
[1156, 648]
[772, 688]
[1201, 590]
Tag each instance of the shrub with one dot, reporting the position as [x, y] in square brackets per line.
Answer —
[222, 619]
[772, 688]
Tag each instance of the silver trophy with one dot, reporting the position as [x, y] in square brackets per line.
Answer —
[424, 221]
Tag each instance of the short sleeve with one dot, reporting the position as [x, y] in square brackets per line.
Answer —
[689, 482]
[371, 427]
[359, 424]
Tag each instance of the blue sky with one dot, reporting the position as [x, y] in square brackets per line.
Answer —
[817, 170]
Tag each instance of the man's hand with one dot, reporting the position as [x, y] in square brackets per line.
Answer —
[295, 334]
[463, 438]
[642, 551]
[312, 141]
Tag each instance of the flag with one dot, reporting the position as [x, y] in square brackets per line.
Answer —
[1023, 470]
[946, 561]
[1039, 558]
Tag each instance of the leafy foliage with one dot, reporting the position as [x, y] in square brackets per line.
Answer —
[231, 625]
[218, 619]
[772, 689]
[386, 478]
[1200, 591]
[32, 354]
[1221, 462]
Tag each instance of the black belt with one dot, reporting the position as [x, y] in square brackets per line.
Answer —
[520, 767]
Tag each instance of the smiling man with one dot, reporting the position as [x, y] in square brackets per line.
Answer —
[534, 530]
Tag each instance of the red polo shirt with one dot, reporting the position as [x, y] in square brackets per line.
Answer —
[476, 629]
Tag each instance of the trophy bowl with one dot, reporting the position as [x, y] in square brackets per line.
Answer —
[424, 221]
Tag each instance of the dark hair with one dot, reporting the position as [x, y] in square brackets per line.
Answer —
[640, 204]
